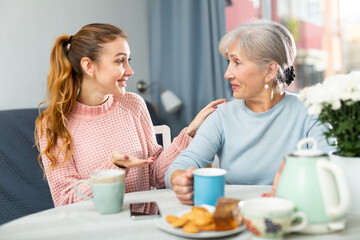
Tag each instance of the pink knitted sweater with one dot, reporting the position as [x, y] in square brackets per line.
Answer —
[121, 123]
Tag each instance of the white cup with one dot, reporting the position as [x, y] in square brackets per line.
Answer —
[271, 218]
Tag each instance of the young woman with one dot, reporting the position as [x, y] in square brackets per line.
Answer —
[91, 123]
[254, 132]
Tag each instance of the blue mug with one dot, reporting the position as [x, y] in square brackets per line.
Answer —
[209, 185]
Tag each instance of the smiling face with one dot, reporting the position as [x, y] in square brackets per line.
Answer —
[113, 69]
[107, 75]
[247, 79]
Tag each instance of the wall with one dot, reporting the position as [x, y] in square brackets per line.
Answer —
[241, 11]
[28, 30]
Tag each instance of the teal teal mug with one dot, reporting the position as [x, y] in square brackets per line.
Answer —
[108, 188]
[209, 185]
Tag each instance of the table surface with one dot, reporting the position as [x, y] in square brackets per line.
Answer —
[81, 220]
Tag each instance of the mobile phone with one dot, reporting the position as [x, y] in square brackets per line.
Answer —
[143, 210]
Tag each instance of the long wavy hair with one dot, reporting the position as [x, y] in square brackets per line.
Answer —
[63, 85]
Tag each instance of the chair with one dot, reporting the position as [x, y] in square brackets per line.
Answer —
[154, 114]
[22, 187]
[164, 130]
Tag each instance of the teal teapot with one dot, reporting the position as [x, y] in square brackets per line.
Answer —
[317, 186]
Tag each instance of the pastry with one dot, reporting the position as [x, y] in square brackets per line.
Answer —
[227, 214]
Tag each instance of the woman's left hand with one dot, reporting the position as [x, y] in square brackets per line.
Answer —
[276, 181]
[201, 116]
[122, 160]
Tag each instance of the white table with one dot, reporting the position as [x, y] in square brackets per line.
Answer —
[81, 220]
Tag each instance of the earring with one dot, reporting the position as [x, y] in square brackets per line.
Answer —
[266, 86]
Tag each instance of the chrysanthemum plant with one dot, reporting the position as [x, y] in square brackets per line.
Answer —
[336, 102]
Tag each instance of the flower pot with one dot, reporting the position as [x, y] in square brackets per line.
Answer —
[351, 167]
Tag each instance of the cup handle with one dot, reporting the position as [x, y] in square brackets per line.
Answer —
[79, 194]
[299, 226]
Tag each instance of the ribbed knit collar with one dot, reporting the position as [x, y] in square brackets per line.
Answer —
[82, 110]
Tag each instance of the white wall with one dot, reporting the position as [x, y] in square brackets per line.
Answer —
[28, 29]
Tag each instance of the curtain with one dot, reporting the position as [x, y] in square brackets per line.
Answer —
[184, 57]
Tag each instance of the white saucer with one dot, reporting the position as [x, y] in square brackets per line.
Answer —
[162, 224]
[329, 227]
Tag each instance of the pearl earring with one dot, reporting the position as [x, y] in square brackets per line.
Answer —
[266, 86]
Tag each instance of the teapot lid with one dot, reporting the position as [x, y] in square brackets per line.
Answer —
[307, 152]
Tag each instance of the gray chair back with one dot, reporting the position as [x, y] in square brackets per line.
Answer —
[22, 188]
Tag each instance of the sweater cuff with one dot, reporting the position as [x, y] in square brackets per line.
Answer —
[183, 140]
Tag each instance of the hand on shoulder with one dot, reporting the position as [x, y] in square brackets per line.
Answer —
[202, 115]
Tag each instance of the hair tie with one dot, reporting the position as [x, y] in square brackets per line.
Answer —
[289, 75]
[70, 39]
[67, 47]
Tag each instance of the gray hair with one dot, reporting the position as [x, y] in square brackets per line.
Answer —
[263, 41]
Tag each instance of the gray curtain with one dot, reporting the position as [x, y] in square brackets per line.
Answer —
[184, 56]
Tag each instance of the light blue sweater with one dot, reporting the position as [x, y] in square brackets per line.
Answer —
[250, 145]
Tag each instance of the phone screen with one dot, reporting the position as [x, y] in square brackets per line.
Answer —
[144, 210]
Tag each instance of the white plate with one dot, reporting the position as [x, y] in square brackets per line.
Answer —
[167, 227]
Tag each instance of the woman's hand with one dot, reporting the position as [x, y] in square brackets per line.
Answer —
[182, 182]
[125, 161]
[201, 116]
[276, 181]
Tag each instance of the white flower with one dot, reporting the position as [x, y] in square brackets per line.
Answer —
[303, 94]
[333, 91]
[335, 105]
[315, 109]
[355, 97]
[336, 100]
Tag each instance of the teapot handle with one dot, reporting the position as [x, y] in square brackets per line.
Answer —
[333, 208]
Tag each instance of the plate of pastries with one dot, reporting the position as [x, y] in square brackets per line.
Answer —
[205, 221]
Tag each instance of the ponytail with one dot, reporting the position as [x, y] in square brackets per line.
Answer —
[62, 89]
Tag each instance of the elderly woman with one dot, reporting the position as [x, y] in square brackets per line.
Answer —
[252, 133]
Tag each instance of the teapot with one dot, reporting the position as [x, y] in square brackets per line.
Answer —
[318, 188]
